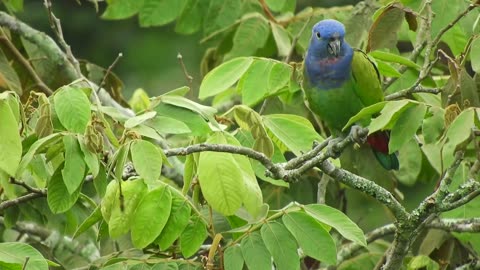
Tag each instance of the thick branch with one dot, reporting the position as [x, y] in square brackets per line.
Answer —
[456, 225]
[408, 91]
[25, 198]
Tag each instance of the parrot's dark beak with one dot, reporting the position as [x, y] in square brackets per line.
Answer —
[334, 47]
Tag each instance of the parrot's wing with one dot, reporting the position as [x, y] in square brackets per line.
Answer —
[367, 84]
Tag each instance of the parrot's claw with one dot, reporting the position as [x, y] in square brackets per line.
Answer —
[359, 134]
[332, 148]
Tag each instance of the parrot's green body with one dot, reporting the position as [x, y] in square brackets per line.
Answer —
[337, 105]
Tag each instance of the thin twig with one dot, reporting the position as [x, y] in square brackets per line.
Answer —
[452, 23]
[296, 38]
[267, 11]
[24, 62]
[184, 69]
[109, 70]
[57, 29]
[25, 198]
[408, 91]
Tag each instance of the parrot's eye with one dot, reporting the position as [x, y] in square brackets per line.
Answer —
[318, 35]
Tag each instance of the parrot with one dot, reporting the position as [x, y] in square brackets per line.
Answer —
[338, 81]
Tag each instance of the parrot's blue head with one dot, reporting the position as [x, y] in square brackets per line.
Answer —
[328, 39]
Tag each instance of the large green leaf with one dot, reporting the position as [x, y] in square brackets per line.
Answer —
[167, 125]
[475, 55]
[139, 119]
[389, 114]
[177, 221]
[233, 258]
[433, 124]
[224, 76]
[292, 131]
[406, 126]
[91, 159]
[221, 180]
[93, 218]
[205, 111]
[8, 77]
[120, 219]
[147, 160]
[251, 35]
[17, 253]
[394, 58]
[221, 14]
[37, 147]
[338, 220]
[74, 170]
[264, 77]
[151, 216]
[282, 39]
[160, 12]
[312, 237]
[255, 252]
[58, 198]
[384, 31]
[282, 245]
[73, 108]
[121, 9]
[192, 16]
[10, 142]
[193, 236]
[195, 122]
[457, 134]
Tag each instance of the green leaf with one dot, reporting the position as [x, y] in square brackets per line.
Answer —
[147, 160]
[93, 218]
[221, 14]
[193, 236]
[58, 198]
[10, 142]
[251, 35]
[121, 9]
[252, 195]
[233, 258]
[255, 253]
[165, 266]
[35, 148]
[292, 131]
[410, 160]
[191, 18]
[365, 112]
[120, 219]
[91, 159]
[8, 77]
[205, 111]
[312, 237]
[221, 180]
[281, 244]
[224, 76]
[139, 119]
[139, 100]
[195, 122]
[189, 171]
[384, 31]
[167, 125]
[389, 114]
[387, 70]
[406, 126]
[433, 124]
[160, 12]
[475, 55]
[73, 108]
[151, 216]
[394, 58]
[177, 221]
[100, 182]
[282, 39]
[338, 220]
[16, 253]
[422, 262]
[74, 169]
[457, 134]
[264, 77]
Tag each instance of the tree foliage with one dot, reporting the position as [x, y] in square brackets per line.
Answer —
[245, 178]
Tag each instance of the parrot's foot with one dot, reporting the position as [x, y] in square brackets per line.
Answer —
[332, 149]
[359, 134]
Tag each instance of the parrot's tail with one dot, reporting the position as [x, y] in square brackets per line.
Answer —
[379, 143]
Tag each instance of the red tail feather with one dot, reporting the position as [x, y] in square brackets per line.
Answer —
[379, 141]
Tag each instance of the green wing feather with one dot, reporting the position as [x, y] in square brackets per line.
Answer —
[367, 84]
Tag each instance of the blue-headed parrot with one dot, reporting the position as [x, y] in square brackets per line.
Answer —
[339, 81]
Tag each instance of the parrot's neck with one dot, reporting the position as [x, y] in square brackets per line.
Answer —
[327, 72]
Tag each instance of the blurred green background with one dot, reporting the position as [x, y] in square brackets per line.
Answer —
[149, 54]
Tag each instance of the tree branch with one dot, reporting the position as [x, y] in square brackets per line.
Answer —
[408, 91]
[25, 198]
